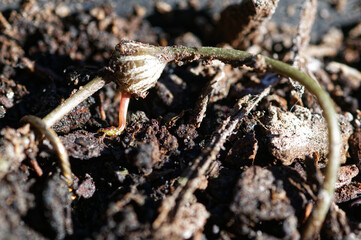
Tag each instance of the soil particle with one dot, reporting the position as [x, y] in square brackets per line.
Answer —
[57, 209]
[355, 147]
[83, 145]
[171, 90]
[243, 151]
[154, 134]
[147, 145]
[86, 188]
[145, 156]
[167, 141]
[336, 225]
[300, 133]
[126, 218]
[345, 175]
[348, 192]
[123, 224]
[15, 203]
[190, 222]
[221, 187]
[261, 200]
[77, 118]
[188, 134]
[15, 147]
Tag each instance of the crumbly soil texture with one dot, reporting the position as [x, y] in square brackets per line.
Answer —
[212, 152]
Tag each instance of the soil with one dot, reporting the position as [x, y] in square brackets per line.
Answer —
[213, 151]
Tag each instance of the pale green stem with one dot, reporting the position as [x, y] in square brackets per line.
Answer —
[73, 101]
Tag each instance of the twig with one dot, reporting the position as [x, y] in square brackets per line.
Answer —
[302, 39]
[200, 108]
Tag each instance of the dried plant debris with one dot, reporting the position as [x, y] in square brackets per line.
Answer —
[347, 76]
[300, 133]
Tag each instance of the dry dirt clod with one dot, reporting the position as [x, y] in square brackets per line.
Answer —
[83, 145]
[15, 147]
[355, 147]
[299, 134]
[260, 200]
[243, 151]
[57, 209]
[86, 188]
[241, 24]
[189, 223]
[345, 175]
[348, 192]
[76, 118]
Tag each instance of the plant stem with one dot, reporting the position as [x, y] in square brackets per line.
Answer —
[325, 195]
[44, 125]
[54, 140]
[86, 91]
[237, 58]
